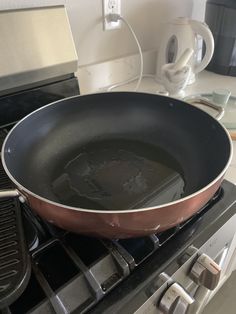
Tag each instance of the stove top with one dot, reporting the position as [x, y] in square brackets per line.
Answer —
[74, 273]
[68, 273]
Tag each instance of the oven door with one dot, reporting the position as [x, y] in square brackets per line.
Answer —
[201, 274]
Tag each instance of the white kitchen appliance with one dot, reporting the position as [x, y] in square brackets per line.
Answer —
[180, 34]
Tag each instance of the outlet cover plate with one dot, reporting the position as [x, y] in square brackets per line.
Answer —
[111, 7]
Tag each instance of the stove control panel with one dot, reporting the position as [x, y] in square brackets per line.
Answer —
[205, 272]
[200, 269]
[175, 297]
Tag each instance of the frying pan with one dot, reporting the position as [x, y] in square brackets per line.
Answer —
[116, 165]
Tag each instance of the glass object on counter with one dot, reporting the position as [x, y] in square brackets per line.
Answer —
[221, 97]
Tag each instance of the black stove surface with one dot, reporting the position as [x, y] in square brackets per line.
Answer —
[14, 107]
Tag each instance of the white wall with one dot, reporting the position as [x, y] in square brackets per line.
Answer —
[144, 15]
[94, 45]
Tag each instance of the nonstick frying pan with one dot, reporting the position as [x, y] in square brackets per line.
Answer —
[116, 165]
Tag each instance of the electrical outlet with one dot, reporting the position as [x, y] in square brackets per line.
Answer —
[111, 7]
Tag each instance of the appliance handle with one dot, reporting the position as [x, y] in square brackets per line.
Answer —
[194, 100]
[204, 31]
[13, 193]
[9, 193]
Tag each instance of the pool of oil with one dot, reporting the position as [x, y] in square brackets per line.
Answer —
[118, 175]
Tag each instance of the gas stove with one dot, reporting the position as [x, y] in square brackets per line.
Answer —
[44, 269]
[75, 274]
[70, 273]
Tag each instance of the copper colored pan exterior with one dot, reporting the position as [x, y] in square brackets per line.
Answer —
[203, 147]
[122, 225]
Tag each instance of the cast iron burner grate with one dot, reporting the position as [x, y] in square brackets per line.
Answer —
[14, 258]
[71, 272]
[137, 250]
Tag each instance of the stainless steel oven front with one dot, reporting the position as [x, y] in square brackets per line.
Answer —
[201, 273]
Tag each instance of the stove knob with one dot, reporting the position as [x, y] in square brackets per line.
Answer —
[175, 297]
[205, 272]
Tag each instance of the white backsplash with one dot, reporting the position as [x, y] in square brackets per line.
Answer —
[96, 77]
[94, 45]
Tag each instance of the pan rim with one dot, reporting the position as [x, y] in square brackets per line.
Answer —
[20, 187]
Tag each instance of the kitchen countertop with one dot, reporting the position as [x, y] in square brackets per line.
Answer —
[206, 82]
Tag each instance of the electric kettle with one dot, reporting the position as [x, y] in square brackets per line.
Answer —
[179, 35]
